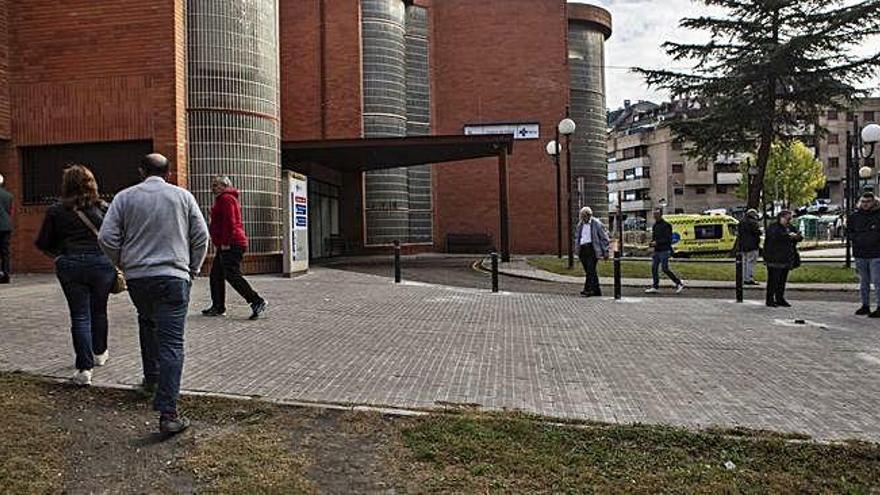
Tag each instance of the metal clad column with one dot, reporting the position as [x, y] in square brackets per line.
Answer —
[586, 61]
[233, 109]
[418, 112]
[384, 65]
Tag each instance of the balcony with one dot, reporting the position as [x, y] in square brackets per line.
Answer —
[638, 205]
[628, 185]
[628, 163]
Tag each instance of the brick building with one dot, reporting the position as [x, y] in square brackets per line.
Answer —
[237, 87]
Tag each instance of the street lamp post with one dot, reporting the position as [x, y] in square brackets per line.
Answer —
[567, 127]
[553, 151]
[856, 142]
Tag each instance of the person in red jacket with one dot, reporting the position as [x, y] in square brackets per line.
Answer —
[230, 241]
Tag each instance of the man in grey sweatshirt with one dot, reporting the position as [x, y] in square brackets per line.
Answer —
[156, 234]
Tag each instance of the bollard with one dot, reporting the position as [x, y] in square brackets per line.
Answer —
[494, 256]
[396, 262]
[739, 276]
[617, 283]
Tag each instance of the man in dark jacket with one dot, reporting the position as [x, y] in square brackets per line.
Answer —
[662, 243]
[5, 232]
[780, 256]
[230, 241]
[749, 243]
[864, 231]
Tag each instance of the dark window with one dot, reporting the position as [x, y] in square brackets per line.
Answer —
[868, 116]
[832, 114]
[708, 232]
[701, 190]
[850, 116]
[702, 166]
[869, 162]
[676, 145]
[679, 191]
[833, 139]
[833, 162]
[677, 168]
[721, 189]
[115, 165]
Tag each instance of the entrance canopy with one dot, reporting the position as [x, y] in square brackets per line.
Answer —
[361, 155]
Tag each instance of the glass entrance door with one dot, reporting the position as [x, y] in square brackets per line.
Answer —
[324, 238]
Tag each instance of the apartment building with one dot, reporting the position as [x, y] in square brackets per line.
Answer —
[832, 149]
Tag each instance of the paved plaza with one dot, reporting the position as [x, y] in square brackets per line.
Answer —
[340, 337]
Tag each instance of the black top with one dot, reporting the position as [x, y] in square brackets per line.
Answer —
[5, 211]
[63, 232]
[661, 234]
[749, 234]
[864, 230]
[780, 246]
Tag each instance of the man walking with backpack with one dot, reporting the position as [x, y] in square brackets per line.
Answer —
[230, 240]
[156, 234]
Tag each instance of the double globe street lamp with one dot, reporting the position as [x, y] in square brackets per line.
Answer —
[870, 137]
[566, 127]
[856, 143]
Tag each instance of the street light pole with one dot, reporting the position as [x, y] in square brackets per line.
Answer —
[558, 198]
[566, 127]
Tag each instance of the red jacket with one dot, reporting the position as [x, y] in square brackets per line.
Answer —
[226, 227]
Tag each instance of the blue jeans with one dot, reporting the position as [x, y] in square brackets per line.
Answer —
[161, 303]
[869, 271]
[662, 259]
[86, 279]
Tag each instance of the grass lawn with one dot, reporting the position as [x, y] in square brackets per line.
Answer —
[695, 270]
[55, 438]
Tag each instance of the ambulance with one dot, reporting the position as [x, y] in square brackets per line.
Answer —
[692, 234]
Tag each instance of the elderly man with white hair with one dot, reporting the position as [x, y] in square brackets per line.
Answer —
[5, 232]
[591, 242]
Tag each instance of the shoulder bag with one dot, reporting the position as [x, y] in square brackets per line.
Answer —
[119, 286]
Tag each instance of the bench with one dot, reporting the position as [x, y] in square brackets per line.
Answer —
[469, 243]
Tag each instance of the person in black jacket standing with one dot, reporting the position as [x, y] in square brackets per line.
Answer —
[864, 231]
[780, 256]
[749, 242]
[662, 244]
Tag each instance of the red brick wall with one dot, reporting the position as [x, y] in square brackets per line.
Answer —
[92, 71]
[499, 61]
[321, 69]
[5, 124]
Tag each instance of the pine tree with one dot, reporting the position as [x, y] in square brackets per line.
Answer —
[771, 67]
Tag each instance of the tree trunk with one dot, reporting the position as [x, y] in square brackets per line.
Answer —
[761, 163]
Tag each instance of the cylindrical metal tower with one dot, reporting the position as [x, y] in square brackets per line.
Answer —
[418, 123]
[588, 29]
[233, 109]
[385, 108]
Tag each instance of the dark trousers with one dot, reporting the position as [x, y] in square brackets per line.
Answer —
[5, 263]
[161, 303]
[661, 260]
[776, 280]
[227, 268]
[86, 280]
[591, 277]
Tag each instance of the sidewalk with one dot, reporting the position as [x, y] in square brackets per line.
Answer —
[520, 267]
[337, 337]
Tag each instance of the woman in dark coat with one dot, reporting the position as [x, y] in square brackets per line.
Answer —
[86, 275]
[780, 256]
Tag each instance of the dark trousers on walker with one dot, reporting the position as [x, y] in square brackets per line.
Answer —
[776, 280]
[5, 265]
[227, 268]
[591, 278]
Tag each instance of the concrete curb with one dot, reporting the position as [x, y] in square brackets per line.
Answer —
[537, 274]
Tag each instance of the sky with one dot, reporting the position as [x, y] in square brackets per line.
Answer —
[639, 28]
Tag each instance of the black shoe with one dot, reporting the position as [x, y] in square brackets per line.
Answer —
[863, 311]
[172, 424]
[771, 304]
[147, 389]
[875, 314]
[212, 311]
[783, 304]
[585, 293]
[750, 282]
[258, 308]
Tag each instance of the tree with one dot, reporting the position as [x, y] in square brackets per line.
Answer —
[793, 175]
[771, 67]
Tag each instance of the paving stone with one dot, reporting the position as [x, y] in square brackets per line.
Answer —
[340, 337]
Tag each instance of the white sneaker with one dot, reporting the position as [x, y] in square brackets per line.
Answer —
[651, 290]
[101, 359]
[83, 378]
[679, 288]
